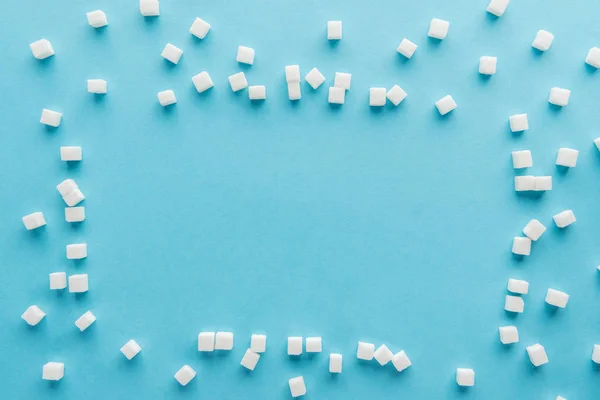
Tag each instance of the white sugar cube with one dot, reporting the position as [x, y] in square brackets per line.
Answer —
[166, 98]
[514, 304]
[487, 65]
[34, 220]
[297, 386]
[445, 104]
[97, 86]
[50, 118]
[74, 197]
[314, 344]
[521, 246]
[58, 280]
[149, 8]
[543, 183]
[206, 341]
[438, 28]
[200, 28]
[465, 377]
[258, 343]
[596, 354]
[537, 354]
[202, 81]
[314, 78]
[294, 347]
[171, 53]
[564, 218]
[406, 48]
[257, 92]
[396, 95]
[78, 283]
[238, 81]
[518, 286]
[592, 58]
[522, 159]
[42, 49]
[597, 143]
[250, 360]
[85, 321]
[342, 80]
[334, 30]
[366, 351]
[543, 40]
[377, 97]
[224, 341]
[336, 95]
[534, 229]
[524, 183]
[294, 92]
[557, 298]
[185, 375]
[383, 355]
[245, 55]
[130, 349]
[509, 334]
[97, 19]
[567, 157]
[335, 363]
[497, 7]
[76, 251]
[33, 315]
[292, 73]
[518, 122]
[559, 96]
[71, 153]
[66, 186]
[53, 371]
[401, 361]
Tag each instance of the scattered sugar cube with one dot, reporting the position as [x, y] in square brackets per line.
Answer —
[149, 8]
[537, 354]
[342, 80]
[53, 371]
[294, 345]
[401, 361]
[78, 283]
[258, 92]
[592, 58]
[534, 229]
[202, 81]
[564, 218]
[297, 386]
[377, 97]
[224, 341]
[518, 122]
[524, 183]
[74, 197]
[238, 81]
[366, 351]
[438, 28]
[543, 40]
[50, 118]
[465, 377]
[557, 298]
[97, 19]
[76, 251]
[97, 86]
[33, 315]
[185, 375]
[396, 95]
[34, 220]
[200, 28]
[85, 321]
[514, 304]
[58, 280]
[334, 30]
[245, 55]
[407, 48]
[383, 355]
[497, 7]
[597, 143]
[521, 246]
[596, 354]
[314, 78]
[250, 360]
[66, 186]
[206, 341]
[336, 95]
[313, 345]
[171, 53]
[43, 49]
[71, 153]
[445, 104]
[166, 98]
[335, 363]
[294, 92]
[567, 157]
[130, 349]
[487, 65]
[559, 96]
[522, 159]
[292, 73]
[509, 334]
[543, 183]
[518, 286]
[258, 343]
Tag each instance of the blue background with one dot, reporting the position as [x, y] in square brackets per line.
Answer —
[391, 226]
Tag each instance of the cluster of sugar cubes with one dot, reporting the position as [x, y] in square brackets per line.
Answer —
[383, 355]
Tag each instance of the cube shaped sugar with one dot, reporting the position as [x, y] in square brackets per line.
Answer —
[297, 386]
[202, 81]
[445, 104]
[58, 280]
[336, 95]
[78, 283]
[597, 143]
[34, 220]
[592, 58]
[200, 28]
[258, 92]
[465, 377]
[85, 321]
[33, 315]
[149, 8]
[206, 341]
[314, 344]
[543, 40]
[559, 96]
[383, 355]
[497, 7]
[50, 118]
[396, 95]
[518, 122]
[335, 363]
[185, 375]
[342, 80]
[166, 98]
[250, 360]
[76, 251]
[509, 334]
[557, 298]
[596, 354]
[74, 214]
[74, 197]
[537, 354]
[514, 304]
[522, 159]
[567, 157]
[71, 153]
[258, 343]
[97, 19]
[487, 65]
[334, 30]
[314, 78]
[42, 49]
[130, 349]
[53, 371]
[171, 53]
[543, 183]
[524, 183]
[294, 92]
[292, 73]
[66, 186]
[438, 28]
[377, 97]
[564, 218]
[407, 48]
[238, 81]
[521, 246]
[294, 347]
[518, 286]
[97, 86]
[224, 341]
[245, 55]
[366, 351]
[401, 361]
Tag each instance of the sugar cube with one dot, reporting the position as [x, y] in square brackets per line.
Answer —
[74, 197]
[567, 157]
[406, 48]
[465, 377]
[487, 65]
[76, 251]
[206, 341]
[497, 7]
[78, 283]
[250, 360]
[224, 341]
[438, 28]
[314, 78]
[202, 81]
[522, 159]
[335, 363]
[383, 355]
[97, 19]
[445, 104]
[85, 321]
[597, 143]
[518, 122]
[53, 371]
[509, 334]
[564, 218]
[292, 73]
[543, 183]
[166, 98]
[592, 58]
[42, 49]
[238, 81]
[334, 30]
[596, 354]
[258, 343]
[58, 280]
[514, 304]
[537, 354]
[401, 361]
[245, 55]
[50, 118]
[131, 349]
[314, 345]
[521, 246]
[34, 220]
[185, 375]
[366, 351]
[559, 96]
[171, 53]
[518, 286]
[543, 40]
[297, 386]
[342, 80]
[377, 97]
[557, 298]
[33, 315]
[258, 92]
[294, 92]
[524, 183]
[336, 95]
[149, 8]
[200, 28]
[66, 186]
[294, 347]
[97, 86]
[71, 153]
[396, 95]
